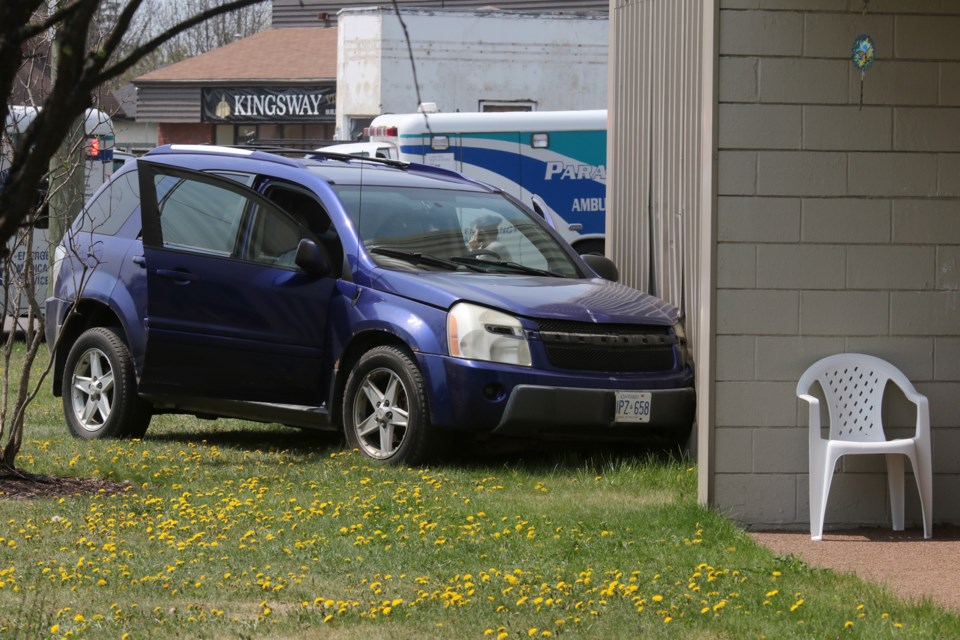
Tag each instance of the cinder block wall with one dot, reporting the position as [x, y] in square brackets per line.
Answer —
[838, 229]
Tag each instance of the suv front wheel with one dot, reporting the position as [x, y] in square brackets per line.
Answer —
[385, 412]
[100, 389]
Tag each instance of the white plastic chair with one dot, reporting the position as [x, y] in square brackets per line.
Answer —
[853, 385]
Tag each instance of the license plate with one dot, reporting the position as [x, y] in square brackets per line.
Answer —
[632, 406]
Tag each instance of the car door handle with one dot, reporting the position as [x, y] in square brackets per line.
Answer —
[181, 276]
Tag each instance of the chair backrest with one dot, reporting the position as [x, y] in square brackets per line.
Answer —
[853, 385]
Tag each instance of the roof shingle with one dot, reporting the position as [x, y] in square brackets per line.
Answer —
[306, 53]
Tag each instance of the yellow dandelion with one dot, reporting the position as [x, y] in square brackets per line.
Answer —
[848, 624]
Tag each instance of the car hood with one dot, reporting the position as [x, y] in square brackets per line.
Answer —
[580, 300]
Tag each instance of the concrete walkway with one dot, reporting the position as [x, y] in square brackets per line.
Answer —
[911, 566]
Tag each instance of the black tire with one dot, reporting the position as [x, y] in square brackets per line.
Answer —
[385, 412]
[100, 388]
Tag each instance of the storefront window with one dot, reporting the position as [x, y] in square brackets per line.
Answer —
[245, 134]
[295, 135]
[318, 131]
[270, 131]
[507, 105]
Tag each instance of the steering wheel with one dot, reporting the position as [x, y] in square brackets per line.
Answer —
[477, 253]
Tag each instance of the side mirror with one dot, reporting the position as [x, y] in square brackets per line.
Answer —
[538, 206]
[312, 258]
[602, 266]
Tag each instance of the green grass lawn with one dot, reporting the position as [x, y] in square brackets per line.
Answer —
[240, 530]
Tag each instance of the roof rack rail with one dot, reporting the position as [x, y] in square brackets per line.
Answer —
[348, 156]
[259, 154]
[274, 149]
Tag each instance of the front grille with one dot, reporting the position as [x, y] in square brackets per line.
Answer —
[625, 348]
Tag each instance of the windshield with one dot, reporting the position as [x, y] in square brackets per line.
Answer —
[430, 229]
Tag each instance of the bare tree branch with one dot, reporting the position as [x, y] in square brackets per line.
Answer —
[87, 57]
[62, 13]
[131, 58]
[79, 72]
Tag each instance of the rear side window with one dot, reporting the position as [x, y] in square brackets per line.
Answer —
[113, 206]
[200, 216]
[215, 216]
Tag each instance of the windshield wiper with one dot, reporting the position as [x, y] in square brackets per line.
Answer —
[516, 266]
[417, 259]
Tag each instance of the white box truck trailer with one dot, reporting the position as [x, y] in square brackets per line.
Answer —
[97, 169]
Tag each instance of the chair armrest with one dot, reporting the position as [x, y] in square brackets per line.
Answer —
[923, 408]
[813, 416]
[923, 416]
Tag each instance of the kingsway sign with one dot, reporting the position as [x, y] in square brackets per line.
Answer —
[261, 104]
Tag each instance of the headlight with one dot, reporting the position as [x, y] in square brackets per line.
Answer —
[479, 333]
[681, 332]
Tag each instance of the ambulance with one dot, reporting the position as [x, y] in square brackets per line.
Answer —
[553, 161]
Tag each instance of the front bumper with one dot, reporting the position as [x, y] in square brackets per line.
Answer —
[485, 397]
[565, 412]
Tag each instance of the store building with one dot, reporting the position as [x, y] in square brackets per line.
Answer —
[277, 87]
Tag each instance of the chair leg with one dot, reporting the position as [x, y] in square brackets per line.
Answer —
[923, 472]
[821, 475]
[895, 487]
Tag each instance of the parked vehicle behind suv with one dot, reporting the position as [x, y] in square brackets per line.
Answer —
[327, 291]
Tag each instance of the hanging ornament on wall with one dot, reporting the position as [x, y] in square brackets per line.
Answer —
[863, 53]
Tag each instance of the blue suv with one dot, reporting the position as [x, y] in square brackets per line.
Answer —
[328, 291]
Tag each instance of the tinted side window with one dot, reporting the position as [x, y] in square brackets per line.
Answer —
[307, 211]
[275, 238]
[200, 216]
[112, 207]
